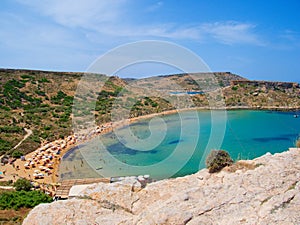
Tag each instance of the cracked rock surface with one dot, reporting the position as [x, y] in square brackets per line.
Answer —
[268, 193]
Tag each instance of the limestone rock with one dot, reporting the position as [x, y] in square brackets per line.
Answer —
[268, 192]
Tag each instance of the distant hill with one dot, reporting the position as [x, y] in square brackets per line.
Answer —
[43, 100]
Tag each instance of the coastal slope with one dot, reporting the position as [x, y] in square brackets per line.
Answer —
[265, 190]
[43, 101]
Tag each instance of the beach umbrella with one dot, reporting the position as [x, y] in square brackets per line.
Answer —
[36, 171]
[50, 165]
[36, 185]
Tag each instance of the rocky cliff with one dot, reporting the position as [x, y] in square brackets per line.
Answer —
[261, 191]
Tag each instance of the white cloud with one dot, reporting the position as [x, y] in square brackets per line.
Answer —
[108, 18]
[232, 32]
[30, 43]
[86, 14]
[24, 34]
[290, 35]
[151, 31]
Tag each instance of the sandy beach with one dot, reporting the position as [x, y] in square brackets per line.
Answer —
[41, 166]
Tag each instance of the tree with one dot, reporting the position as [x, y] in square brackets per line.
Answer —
[217, 160]
[22, 184]
[17, 154]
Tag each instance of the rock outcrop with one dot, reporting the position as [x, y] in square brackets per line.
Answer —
[261, 191]
[268, 84]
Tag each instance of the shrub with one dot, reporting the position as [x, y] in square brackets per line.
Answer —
[18, 199]
[22, 185]
[17, 154]
[4, 146]
[25, 76]
[44, 80]
[234, 88]
[11, 129]
[217, 160]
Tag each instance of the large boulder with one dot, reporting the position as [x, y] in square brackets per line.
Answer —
[262, 191]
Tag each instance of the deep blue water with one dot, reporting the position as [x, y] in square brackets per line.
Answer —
[177, 144]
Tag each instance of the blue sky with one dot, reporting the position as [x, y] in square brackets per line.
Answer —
[253, 38]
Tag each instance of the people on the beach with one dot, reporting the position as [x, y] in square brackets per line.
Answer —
[43, 162]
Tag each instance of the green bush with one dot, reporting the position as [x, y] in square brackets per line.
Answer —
[234, 88]
[20, 199]
[22, 185]
[44, 80]
[17, 154]
[217, 160]
[11, 129]
[25, 76]
[4, 146]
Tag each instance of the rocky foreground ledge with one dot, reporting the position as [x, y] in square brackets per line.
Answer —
[261, 191]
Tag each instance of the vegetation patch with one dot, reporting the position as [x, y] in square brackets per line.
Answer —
[217, 160]
[22, 197]
[241, 165]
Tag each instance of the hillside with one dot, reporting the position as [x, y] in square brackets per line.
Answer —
[42, 101]
[262, 191]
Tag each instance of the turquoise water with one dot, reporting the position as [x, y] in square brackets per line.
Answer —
[177, 144]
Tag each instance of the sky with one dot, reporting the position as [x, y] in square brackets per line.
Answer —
[259, 40]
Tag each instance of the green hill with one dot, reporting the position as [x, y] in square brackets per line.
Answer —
[42, 101]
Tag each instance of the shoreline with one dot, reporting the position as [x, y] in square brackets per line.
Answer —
[18, 170]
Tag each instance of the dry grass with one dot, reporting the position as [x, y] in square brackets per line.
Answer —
[241, 165]
[298, 143]
[13, 217]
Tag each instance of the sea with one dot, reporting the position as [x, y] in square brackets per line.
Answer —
[177, 144]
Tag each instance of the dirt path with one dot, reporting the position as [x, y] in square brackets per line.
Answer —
[29, 132]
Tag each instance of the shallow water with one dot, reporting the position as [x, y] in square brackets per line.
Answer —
[177, 144]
